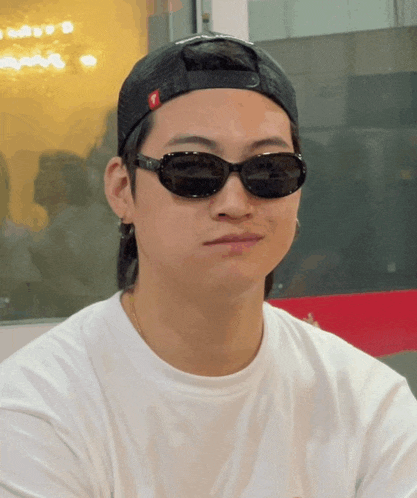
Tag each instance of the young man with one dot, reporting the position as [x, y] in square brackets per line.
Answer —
[186, 383]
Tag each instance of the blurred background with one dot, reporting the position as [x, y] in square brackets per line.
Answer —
[354, 66]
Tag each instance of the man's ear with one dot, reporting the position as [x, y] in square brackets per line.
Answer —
[117, 189]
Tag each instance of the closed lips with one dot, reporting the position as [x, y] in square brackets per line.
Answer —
[235, 238]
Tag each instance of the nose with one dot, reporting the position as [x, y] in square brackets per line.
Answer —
[232, 200]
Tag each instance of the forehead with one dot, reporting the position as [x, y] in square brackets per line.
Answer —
[198, 102]
[222, 115]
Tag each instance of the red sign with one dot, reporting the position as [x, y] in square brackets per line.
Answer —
[379, 323]
[154, 100]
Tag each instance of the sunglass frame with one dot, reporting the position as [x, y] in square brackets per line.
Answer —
[157, 165]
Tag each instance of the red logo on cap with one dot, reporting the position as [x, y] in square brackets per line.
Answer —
[153, 100]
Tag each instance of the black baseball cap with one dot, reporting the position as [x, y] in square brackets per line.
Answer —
[162, 75]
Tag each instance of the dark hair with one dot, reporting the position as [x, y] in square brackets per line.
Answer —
[204, 56]
[128, 260]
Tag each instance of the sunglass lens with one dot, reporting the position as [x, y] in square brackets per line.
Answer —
[277, 175]
[192, 175]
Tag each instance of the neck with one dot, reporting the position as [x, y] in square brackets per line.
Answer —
[204, 333]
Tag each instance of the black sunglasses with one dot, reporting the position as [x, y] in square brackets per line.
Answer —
[199, 174]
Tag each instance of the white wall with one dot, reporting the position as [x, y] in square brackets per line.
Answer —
[14, 337]
[230, 17]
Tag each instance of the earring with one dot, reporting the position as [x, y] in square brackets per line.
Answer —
[297, 229]
[126, 230]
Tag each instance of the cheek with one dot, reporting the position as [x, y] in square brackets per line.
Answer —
[285, 210]
[282, 217]
[162, 223]
[148, 210]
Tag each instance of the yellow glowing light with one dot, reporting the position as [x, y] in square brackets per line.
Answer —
[12, 63]
[56, 61]
[25, 31]
[88, 60]
[40, 61]
[67, 27]
[9, 62]
[27, 61]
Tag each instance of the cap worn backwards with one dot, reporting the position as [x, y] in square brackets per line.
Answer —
[162, 75]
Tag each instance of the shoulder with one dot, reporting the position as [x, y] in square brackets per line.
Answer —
[329, 357]
[57, 379]
[52, 402]
[61, 358]
[337, 380]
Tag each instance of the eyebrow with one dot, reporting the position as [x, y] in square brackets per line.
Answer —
[213, 145]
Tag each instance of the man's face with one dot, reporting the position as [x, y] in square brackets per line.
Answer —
[172, 231]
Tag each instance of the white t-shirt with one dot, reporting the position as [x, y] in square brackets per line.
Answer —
[88, 410]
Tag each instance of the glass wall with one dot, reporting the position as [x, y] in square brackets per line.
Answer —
[281, 19]
[61, 66]
[354, 67]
